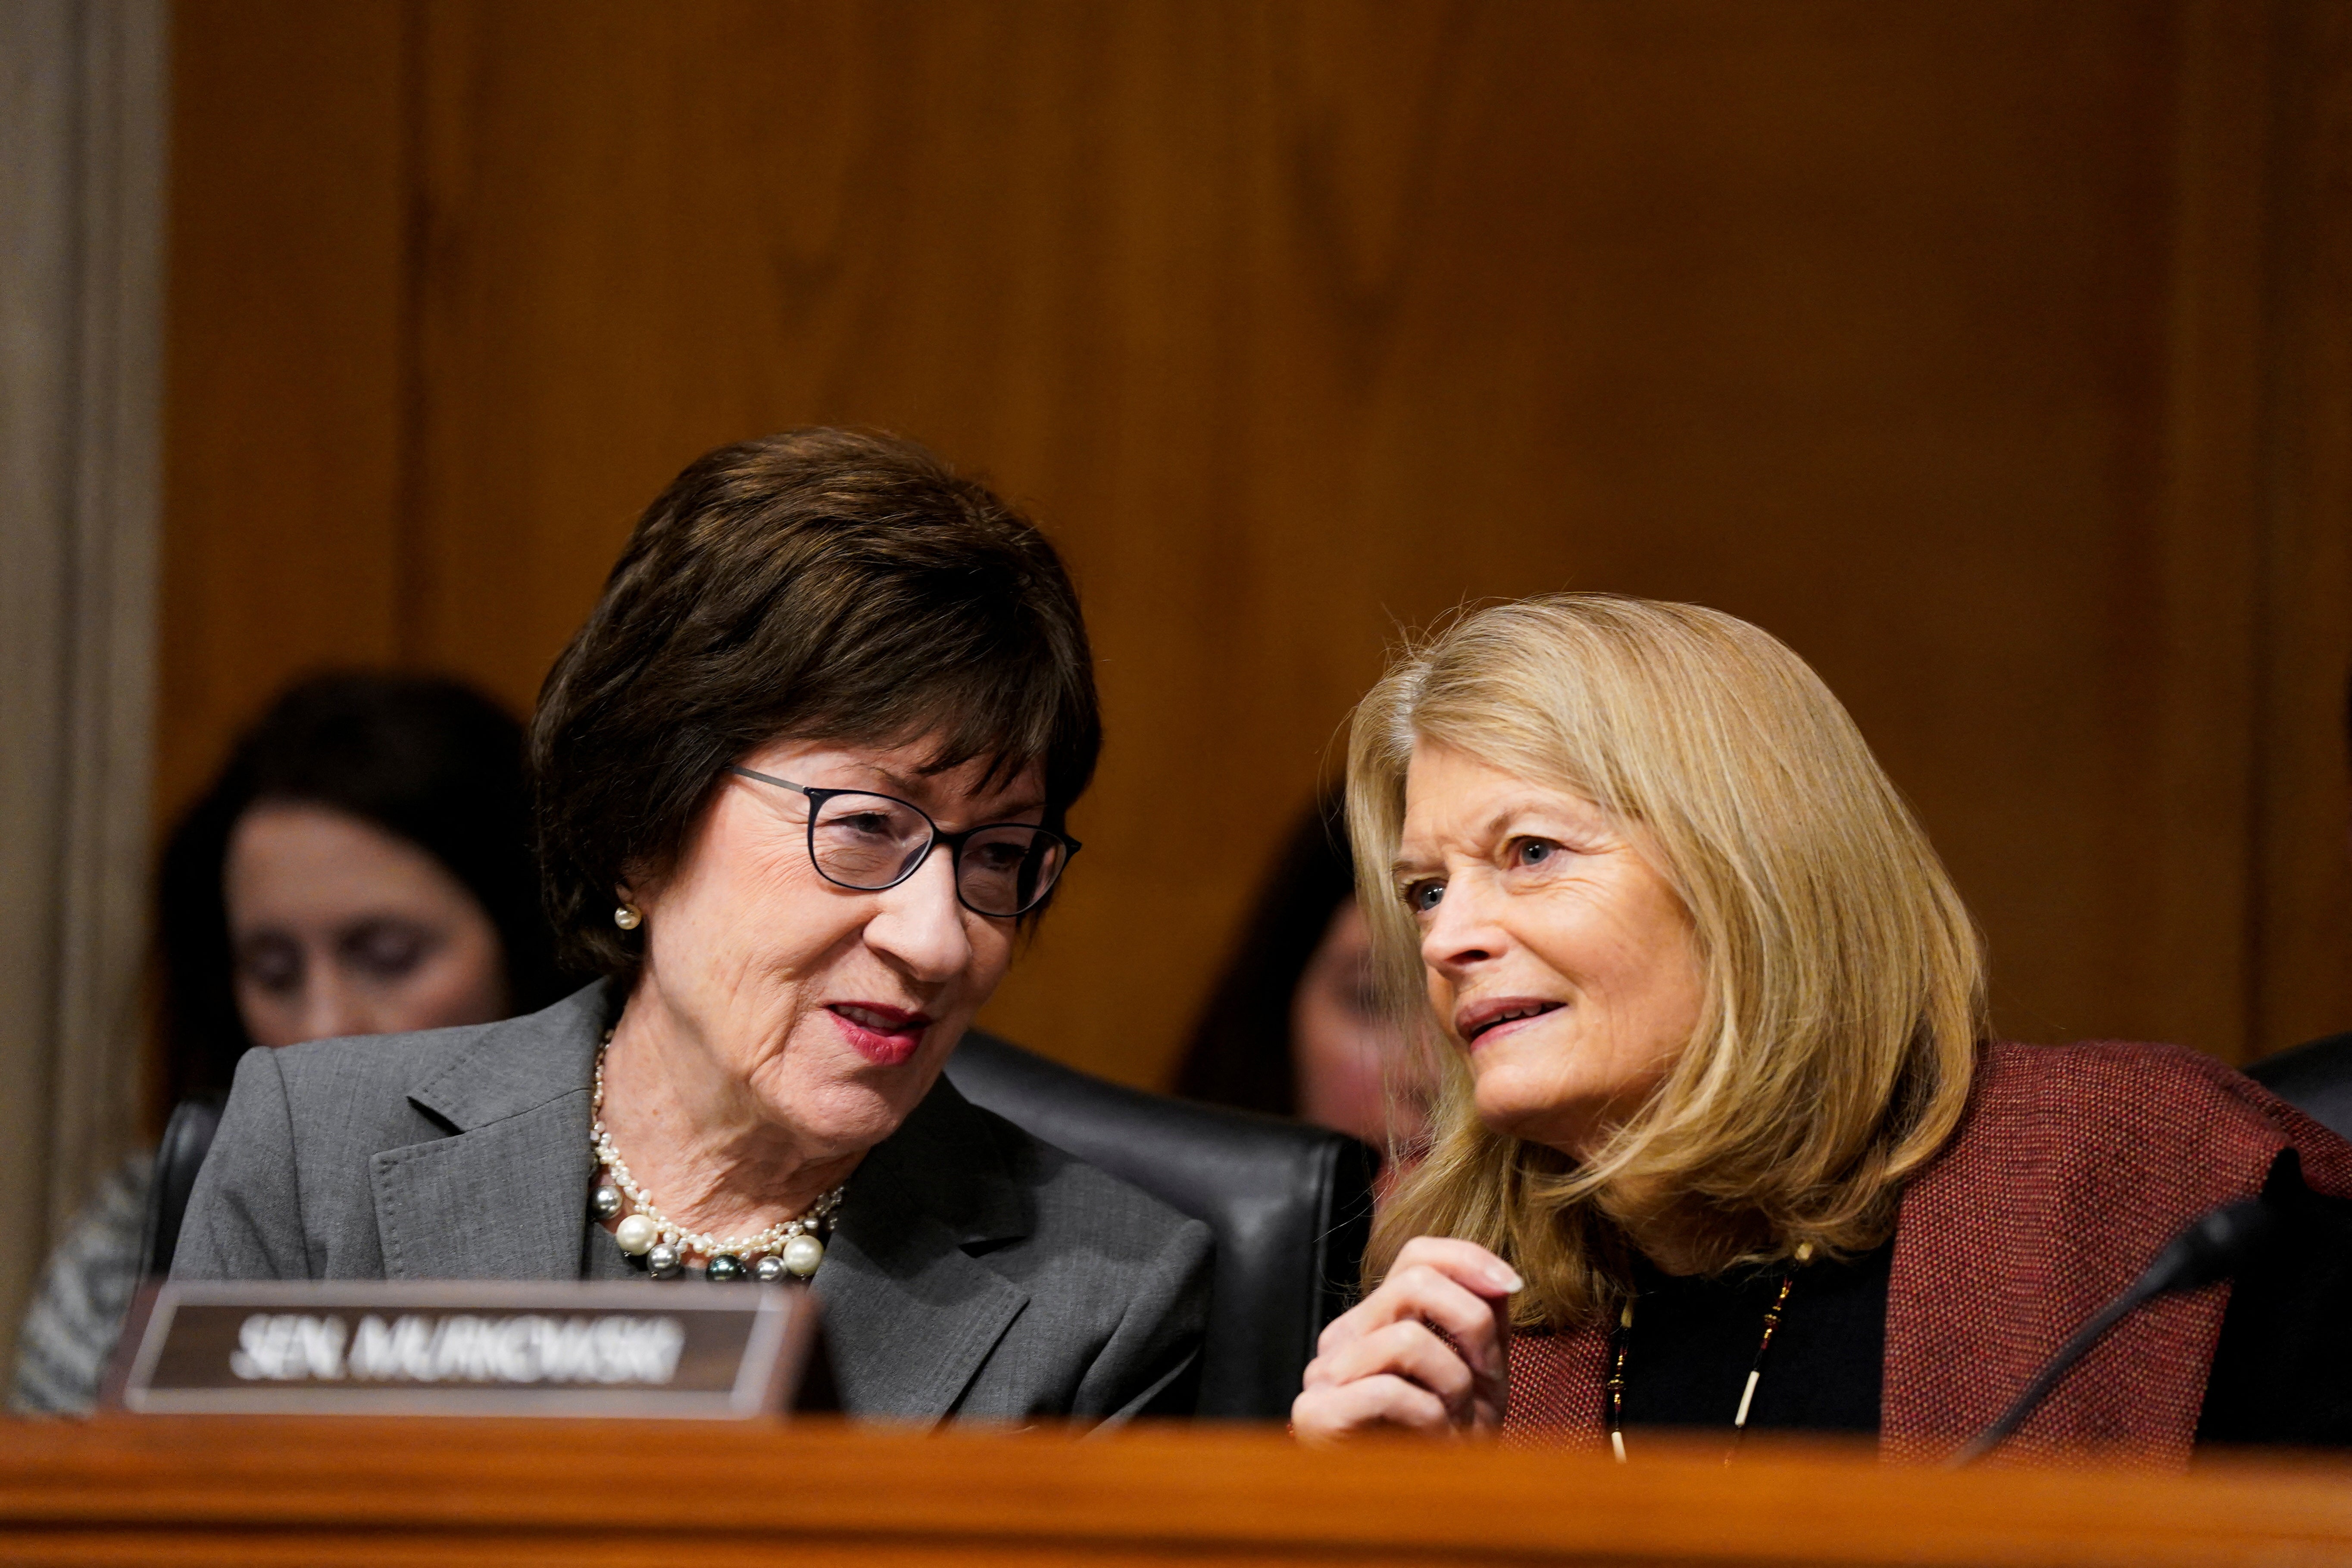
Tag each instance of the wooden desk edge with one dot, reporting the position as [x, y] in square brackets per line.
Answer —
[1190, 1491]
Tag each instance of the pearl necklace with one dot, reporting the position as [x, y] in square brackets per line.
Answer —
[790, 1246]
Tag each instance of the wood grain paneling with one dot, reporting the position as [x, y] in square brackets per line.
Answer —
[1954, 343]
[285, 349]
[2301, 927]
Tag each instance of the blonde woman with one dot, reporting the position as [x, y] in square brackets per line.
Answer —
[1722, 1143]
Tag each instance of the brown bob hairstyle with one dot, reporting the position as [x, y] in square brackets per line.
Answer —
[818, 584]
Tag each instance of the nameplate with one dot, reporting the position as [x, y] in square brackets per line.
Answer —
[681, 1348]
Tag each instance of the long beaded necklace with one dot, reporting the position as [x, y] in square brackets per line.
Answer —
[1622, 1337]
[788, 1248]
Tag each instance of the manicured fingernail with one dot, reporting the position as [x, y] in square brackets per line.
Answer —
[1508, 1279]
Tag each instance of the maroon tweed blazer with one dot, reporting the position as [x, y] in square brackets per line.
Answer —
[2073, 1168]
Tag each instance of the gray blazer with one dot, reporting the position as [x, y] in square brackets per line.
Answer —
[975, 1272]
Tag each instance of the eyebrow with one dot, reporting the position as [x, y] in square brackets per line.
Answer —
[1495, 824]
[914, 786]
[898, 781]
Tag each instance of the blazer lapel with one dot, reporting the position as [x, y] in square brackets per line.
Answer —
[507, 1197]
[504, 1201]
[909, 1314]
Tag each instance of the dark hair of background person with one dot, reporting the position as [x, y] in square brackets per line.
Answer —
[1240, 1053]
[817, 584]
[426, 759]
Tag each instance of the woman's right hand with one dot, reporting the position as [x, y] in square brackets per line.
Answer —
[1383, 1365]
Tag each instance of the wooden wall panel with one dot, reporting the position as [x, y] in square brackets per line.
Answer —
[2300, 936]
[1930, 338]
[286, 351]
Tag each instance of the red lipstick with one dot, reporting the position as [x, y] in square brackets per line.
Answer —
[883, 1035]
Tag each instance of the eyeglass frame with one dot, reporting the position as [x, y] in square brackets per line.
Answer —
[954, 841]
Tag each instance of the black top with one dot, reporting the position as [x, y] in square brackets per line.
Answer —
[1693, 1338]
[2282, 1373]
[2315, 1078]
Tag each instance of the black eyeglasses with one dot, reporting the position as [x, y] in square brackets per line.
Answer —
[868, 842]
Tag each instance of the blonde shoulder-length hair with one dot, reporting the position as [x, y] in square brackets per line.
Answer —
[1843, 979]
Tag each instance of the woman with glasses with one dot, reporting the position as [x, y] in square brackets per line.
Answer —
[803, 778]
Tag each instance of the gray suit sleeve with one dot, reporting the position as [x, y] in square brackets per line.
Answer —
[1153, 1356]
[245, 1216]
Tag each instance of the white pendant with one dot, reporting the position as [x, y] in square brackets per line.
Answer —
[802, 1254]
[635, 1234]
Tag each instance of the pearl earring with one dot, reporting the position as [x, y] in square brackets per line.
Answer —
[627, 918]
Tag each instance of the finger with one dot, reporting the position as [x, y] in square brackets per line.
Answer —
[1354, 1324]
[1466, 1263]
[1476, 1270]
[1325, 1414]
[1411, 1352]
[1425, 1294]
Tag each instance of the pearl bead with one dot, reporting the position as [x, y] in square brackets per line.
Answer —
[769, 1271]
[724, 1269]
[604, 1202]
[802, 1254]
[662, 1260]
[635, 1234]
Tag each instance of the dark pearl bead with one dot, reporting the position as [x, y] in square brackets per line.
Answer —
[662, 1260]
[605, 1201]
[724, 1269]
[770, 1270]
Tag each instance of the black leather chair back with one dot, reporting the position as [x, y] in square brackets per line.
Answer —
[1291, 1206]
[187, 1138]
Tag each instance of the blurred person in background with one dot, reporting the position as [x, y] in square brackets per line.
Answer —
[1294, 1026]
[362, 866]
